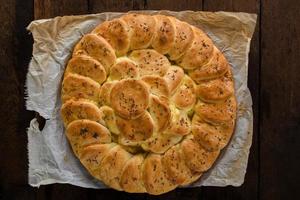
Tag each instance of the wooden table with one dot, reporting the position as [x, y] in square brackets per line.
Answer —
[274, 80]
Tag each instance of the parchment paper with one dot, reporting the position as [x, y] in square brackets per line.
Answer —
[50, 158]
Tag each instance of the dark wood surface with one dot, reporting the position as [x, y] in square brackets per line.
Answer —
[274, 81]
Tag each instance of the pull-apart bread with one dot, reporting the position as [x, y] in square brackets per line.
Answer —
[148, 103]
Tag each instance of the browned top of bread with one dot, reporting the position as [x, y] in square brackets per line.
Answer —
[148, 103]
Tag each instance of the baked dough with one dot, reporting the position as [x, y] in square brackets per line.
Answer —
[148, 103]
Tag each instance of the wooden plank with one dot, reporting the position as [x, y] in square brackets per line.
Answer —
[251, 6]
[249, 190]
[23, 52]
[52, 8]
[67, 192]
[174, 5]
[97, 6]
[280, 102]
[113, 194]
[180, 194]
[17, 192]
[139, 4]
[12, 116]
[16, 47]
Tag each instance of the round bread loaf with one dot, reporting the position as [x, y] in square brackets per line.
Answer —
[148, 103]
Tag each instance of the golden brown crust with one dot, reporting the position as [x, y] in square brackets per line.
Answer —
[134, 131]
[96, 47]
[173, 77]
[180, 123]
[157, 85]
[124, 68]
[184, 36]
[216, 67]
[155, 178]
[161, 142]
[137, 121]
[129, 98]
[110, 119]
[104, 93]
[150, 62]
[196, 157]
[194, 176]
[111, 166]
[79, 87]
[116, 32]
[86, 66]
[73, 110]
[199, 52]
[217, 89]
[142, 29]
[164, 37]
[220, 112]
[174, 164]
[92, 156]
[212, 137]
[160, 112]
[82, 133]
[185, 97]
[132, 176]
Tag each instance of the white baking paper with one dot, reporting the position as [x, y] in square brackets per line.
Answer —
[50, 158]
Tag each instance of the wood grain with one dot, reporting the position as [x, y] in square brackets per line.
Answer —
[52, 8]
[13, 116]
[16, 47]
[280, 100]
[172, 5]
[97, 6]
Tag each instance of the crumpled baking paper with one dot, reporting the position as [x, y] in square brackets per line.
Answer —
[51, 159]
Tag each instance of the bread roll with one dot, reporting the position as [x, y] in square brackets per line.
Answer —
[98, 48]
[86, 66]
[82, 133]
[142, 29]
[150, 62]
[148, 103]
[79, 87]
[164, 36]
[117, 33]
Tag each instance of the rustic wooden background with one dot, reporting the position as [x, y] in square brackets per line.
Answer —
[274, 80]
